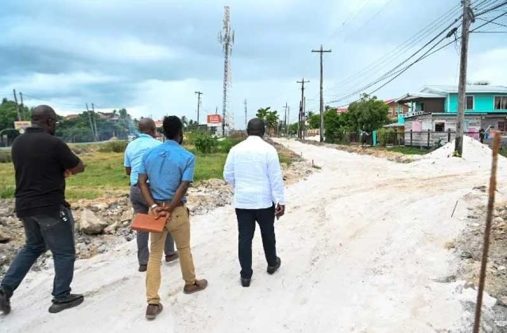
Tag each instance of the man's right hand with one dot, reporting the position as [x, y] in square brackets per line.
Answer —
[158, 212]
[279, 211]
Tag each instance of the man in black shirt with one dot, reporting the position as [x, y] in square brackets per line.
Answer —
[42, 162]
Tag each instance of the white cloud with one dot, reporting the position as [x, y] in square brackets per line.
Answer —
[489, 66]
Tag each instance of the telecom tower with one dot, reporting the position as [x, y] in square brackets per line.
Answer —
[226, 38]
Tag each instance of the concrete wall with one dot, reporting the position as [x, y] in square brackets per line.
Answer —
[482, 103]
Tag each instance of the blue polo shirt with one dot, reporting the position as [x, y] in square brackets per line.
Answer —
[134, 154]
[166, 166]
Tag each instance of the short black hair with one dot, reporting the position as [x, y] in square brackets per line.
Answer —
[172, 126]
[256, 126]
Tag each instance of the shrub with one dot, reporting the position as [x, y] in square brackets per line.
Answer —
[205, 143]
[5, 156]
[114, 147]
[225, 145]
[385, 136]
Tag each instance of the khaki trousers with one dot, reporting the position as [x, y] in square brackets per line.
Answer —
[179, 228]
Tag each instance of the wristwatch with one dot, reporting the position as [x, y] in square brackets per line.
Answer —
[153, 206]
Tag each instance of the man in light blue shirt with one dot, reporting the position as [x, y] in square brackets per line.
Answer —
[169, 168]
[133, 161]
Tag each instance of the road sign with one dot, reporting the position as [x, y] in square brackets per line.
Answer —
[22, 125]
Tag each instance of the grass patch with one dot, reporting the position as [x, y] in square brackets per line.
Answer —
[409, 150]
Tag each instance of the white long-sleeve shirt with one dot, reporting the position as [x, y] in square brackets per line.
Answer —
[253, 170]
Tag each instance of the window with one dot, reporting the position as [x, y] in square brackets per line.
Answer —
[470, 103]
[500, 102]
[501, 126]
[439, 127]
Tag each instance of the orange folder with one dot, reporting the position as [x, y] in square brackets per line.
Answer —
[145, 222]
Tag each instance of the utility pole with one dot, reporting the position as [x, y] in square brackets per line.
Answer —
[321, 51]
[288, 117]
[198, 104]
[90, 121]
[301, 108]
[17, 105]
[286, 107]
[95, 123]
[467, 18]
[246, 114]
[22, 105]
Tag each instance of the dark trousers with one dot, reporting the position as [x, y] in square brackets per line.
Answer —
[56, 233]
[140, 206]
[246, 228]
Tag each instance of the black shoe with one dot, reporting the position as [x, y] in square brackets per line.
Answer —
[67, 302]
[273, 269]
[5, 304]
[245, 282]
[143, 268]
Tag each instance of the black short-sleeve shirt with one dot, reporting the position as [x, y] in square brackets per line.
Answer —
[40, 161]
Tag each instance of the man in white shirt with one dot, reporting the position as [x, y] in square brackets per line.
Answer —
[253, 170]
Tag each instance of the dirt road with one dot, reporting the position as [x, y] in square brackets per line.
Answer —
[363, 248]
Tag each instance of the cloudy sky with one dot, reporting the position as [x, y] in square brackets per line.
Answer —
[150, 56]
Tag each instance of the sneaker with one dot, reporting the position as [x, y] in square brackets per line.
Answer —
[197, 286]
[153, 310]
[172, 257]
[143, 268]
[67, 302]
[245, 282]
[273, 269]
[5, 303]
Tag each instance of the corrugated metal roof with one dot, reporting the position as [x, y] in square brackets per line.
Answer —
[470, 88]
[417, 95]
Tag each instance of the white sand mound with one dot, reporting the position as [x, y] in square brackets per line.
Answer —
[473, 151]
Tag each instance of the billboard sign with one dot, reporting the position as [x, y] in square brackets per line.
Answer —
[22, 125]
[214, 120]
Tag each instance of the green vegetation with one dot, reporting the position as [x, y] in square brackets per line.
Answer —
[105, 174]
[271, 119]
[409, 150]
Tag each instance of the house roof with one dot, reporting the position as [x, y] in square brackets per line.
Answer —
[412, 96]
[470, 88]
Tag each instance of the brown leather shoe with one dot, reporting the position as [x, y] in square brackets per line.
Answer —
[172, 257]
[197, 286]
[153, 310]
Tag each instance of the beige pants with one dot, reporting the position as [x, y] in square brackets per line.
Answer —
[179, 227]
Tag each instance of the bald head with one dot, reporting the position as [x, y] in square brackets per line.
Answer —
[147, 126]
[255, 127]
[44, 116]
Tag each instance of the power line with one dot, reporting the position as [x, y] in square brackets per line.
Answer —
[500, 24]
[491, 8]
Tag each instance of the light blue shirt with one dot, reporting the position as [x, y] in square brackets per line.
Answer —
[166, 166]
[134, 154]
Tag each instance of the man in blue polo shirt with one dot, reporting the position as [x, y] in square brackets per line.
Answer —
[133, 160]
[169, 168]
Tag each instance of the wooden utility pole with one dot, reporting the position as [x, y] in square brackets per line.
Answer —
[467, 18]
[301, 109]
[286, 107]
[246, 114]
[17, 105]
[198, 104]
[321, 51]
[97, 137]
[22, 105]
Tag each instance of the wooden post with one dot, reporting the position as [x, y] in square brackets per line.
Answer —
[487, 232]
[429, 135]
[448, 135]
[411, 138]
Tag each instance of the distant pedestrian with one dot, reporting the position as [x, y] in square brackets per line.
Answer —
[169, 169]
[363, 136]
[253, 170]
[133, 160]
[41, 163]
[481, 135]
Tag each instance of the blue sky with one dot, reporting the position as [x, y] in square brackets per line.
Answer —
[151, 56]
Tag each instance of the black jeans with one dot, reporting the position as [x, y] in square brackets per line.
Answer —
[246, 228]
[43, 232]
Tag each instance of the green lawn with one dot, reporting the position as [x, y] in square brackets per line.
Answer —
[409, 150]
